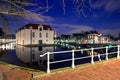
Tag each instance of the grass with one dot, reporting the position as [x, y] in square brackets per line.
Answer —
[32, 71]
[3, 63]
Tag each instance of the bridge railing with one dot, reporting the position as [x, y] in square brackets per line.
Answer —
[91, 51]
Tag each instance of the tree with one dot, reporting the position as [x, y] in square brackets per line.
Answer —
[1, 32]
[15, 8]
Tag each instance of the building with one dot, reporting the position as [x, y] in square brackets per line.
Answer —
[7, 41]
[78, 37]
[98, 38]
[104, 39]
[32, 34]
[93, 38]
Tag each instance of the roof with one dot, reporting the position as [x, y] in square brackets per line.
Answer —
[35, 26]
[46, 27]
[78, 34]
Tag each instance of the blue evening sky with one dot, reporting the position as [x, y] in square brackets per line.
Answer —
[104, 17]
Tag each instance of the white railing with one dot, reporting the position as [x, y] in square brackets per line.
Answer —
[91, 51]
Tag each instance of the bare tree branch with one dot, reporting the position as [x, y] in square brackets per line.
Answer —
[63, 7]
[80, 6]
[17, 7]
[5, 23]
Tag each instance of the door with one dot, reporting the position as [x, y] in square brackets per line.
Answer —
[40, 42]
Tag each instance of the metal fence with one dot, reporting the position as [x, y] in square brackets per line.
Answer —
[92, 53]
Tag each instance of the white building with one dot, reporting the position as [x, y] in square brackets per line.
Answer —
[93, 38]
[104, 39]
[31, 34]
[98, 38]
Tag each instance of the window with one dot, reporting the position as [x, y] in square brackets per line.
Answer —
[33, 34]
[40, 35]
[46, 34]
[40, 29]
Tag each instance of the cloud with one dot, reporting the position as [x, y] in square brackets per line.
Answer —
[37, 17]
[70, 28]
[113, 32]
[107, 5]
[73, 28]
[29, 17]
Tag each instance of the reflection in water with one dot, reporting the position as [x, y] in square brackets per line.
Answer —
[31, 55]
[7, 46]
[2, 52]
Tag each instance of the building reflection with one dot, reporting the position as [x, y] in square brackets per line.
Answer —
[31, 55]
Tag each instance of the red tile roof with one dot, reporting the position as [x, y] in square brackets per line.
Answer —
[35, 26]
[46, 27]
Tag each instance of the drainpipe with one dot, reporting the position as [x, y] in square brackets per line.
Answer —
[30, 35]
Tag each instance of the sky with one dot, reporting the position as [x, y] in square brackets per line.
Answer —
[100, 15]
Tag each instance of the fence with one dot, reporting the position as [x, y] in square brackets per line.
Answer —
[91, 51]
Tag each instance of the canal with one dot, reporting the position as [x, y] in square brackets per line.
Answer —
[30, 57]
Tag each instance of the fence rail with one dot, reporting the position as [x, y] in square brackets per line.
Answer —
[91, 51]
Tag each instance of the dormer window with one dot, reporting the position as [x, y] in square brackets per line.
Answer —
[40, 29]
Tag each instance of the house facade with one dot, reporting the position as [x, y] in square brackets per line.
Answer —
[93, 38]
[104, 39]
[31, 34]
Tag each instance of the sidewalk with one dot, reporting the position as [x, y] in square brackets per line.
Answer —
[1, 76]
[13, 74]
[109, 70]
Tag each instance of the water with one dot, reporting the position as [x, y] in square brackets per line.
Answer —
[29, 57]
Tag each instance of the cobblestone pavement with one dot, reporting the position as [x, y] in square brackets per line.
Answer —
[13, 74]
[109, 70]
